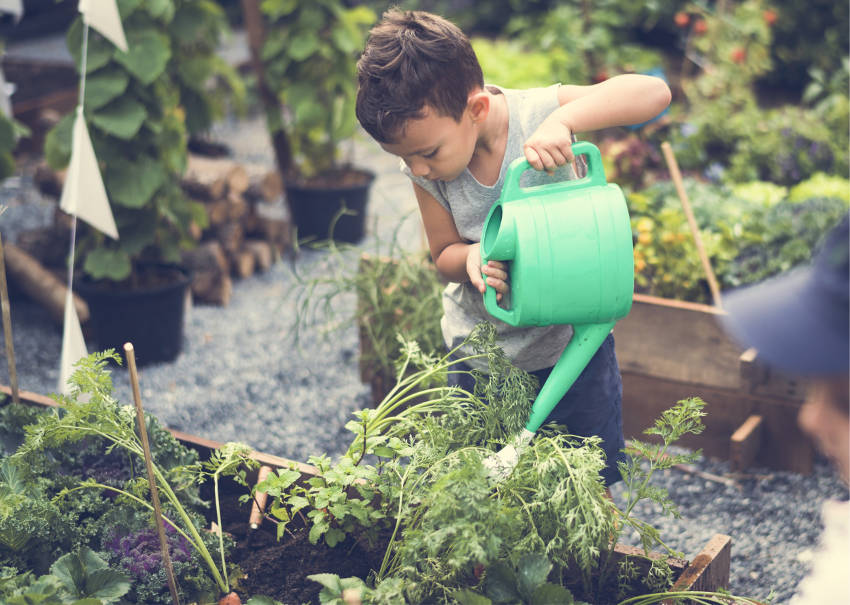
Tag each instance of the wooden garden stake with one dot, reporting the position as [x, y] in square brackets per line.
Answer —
[157, 509]
[259, 506]
[673, 166]
[7, 326]
[255, 30]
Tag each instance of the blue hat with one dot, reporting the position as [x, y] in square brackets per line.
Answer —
[798, 321]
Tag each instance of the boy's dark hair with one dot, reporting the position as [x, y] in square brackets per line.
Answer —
[413, 58]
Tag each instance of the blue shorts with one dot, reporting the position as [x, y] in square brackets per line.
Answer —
[592, 406]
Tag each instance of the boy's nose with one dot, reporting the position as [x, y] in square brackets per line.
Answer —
[419, 168]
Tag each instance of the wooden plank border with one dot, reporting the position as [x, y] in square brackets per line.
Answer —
[707, 571]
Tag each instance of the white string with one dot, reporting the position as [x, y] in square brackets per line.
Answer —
[79, 116]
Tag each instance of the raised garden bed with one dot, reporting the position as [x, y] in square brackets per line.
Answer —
[278, 569]
[670, 349]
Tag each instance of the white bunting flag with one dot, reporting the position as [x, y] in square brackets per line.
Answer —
[84, 195]
[6, 91]
[73, 344]
[14, 7]
[103, 15]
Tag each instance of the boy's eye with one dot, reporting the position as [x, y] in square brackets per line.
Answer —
[432, 154]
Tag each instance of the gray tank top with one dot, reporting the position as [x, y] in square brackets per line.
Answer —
[468, 201]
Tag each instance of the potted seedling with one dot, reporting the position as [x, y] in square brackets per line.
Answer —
[309, 59]
[136, 106]
[398, 292]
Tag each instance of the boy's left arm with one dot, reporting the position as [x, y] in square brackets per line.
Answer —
[619, 101]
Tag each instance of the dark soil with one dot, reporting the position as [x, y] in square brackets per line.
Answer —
[339, 178]
[152, 276]
[279, 569]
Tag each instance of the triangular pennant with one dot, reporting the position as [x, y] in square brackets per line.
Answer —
[103, 15]
[73, 344]
[84, 194]
[14, 7]
[6, 90]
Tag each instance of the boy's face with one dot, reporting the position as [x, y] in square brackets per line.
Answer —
[436, 147]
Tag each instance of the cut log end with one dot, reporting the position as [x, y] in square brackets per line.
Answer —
[40, 284]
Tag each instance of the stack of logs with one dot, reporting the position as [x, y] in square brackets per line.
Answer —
[247, 231]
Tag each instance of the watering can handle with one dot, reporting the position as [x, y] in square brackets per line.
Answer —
[595, 175]
[493, 308]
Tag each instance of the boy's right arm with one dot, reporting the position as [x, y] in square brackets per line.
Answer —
[456, 259]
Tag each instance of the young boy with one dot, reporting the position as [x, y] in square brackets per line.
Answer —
[799, 323]
[422, 97]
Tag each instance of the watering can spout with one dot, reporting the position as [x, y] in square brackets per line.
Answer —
[582, 347]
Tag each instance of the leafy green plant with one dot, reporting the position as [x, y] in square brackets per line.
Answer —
[136, 120]
[75, 578]
[750, 232]
[32, 530]
[524, 583]
[701, 597]
[684, 417]
[340, 591]
[205, 80]
[397, 291]
[341, 497]
[821, 186]
[424, 487]
[724, 128]
[10, 131]
[89, 411]
[309, 58]
[587, 45]
[805, 37]
[513, 64]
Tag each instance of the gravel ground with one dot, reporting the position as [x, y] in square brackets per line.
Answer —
[242, 376]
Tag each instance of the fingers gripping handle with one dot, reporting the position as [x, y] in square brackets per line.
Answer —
[595, 175]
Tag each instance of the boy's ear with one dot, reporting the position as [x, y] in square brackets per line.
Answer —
[478, 106]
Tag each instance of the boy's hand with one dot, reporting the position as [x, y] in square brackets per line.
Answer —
[496, 272]
[549, 146]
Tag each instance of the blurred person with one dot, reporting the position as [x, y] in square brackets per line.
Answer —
[798, 322]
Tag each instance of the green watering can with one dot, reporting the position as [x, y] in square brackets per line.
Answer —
[570, 261]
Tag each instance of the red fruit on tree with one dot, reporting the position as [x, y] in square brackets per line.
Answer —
[738, 55]
[770, 16]
[700, 27]
[682, 19]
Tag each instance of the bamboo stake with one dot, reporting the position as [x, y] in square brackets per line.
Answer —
[673, 166]
[7, 327]
[157, 509]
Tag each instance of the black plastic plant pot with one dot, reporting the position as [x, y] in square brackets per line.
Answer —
[315, 208]
[151, 318]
